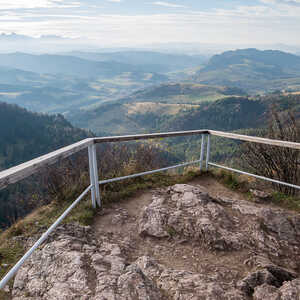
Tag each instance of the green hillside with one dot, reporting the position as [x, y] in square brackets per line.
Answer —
[282, 61]
[252, 70]
[25, 135]
[188, 93]
[147, 109]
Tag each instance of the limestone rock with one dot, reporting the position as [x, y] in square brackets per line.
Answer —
[63, 270]
[226, 249]
[289, 291]
[260, 196]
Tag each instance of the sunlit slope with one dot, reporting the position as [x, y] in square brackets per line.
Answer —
[252, 70]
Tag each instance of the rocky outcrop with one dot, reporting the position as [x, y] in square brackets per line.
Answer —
[186, 285]
[221, 224]
[183, 245]
[288, 291]
[73, 265]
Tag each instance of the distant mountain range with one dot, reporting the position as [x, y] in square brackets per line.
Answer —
[252, 70]
[17, 37]
[278, 61]
[82, 81]
[153, 61]
[68, 65]
[57, 83]
[44, 44]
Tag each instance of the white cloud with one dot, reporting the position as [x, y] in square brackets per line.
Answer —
[202, 27]
[116, 1]
[270, 22]
[168, 4]
[286, 2]
[26, 4]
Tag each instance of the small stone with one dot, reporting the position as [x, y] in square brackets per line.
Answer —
[6, 289]
[260, 196]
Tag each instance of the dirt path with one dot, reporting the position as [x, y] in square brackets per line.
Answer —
[120, 223]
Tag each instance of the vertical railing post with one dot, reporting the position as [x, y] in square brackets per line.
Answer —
[202, 151]
[96, 176]
[92, 175]
[207, 152]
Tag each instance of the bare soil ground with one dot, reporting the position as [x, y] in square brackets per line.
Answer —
[120, 223]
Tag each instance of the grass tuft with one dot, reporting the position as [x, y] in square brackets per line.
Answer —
[230, 180]
[287, 202]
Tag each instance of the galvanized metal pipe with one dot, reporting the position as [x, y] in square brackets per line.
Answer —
[148, 172]
[92, 176]
[125, 138]
[202, 151]
[18, 265]
[96, 176]
[256, 176]
[207, 152]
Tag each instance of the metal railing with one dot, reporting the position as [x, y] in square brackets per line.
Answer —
[24, 170]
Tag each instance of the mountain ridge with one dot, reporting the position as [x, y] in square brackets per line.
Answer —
[69, 65]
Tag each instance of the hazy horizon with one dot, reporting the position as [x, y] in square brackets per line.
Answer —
[144, 24]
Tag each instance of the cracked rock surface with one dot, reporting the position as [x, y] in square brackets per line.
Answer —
[179, 243]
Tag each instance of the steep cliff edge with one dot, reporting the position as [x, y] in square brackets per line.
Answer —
[183, 242]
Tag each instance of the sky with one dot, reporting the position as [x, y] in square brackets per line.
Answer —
[143, 22]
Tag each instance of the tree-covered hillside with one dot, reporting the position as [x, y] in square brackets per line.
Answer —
[252, 70]
[287, 62]
[226, 114]
[25, 135]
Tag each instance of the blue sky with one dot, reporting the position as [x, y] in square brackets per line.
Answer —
[140, 22]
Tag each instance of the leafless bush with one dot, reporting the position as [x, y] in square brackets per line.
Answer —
[272, 161]
[66, 178]
[70, 176]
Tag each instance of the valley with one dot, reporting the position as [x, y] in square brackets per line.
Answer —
[130, 92]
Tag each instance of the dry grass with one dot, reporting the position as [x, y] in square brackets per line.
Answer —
[243, 184]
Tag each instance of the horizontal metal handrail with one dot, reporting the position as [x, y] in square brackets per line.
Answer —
[126, 138]
[26, 169]
[149, 172]
[254, 139]
[254, 175]
[17, 173]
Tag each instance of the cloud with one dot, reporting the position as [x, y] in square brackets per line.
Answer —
[168, 4]
[31, 4]
[282, 3]
[270, 21]
[223, 27]
[115, 1]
